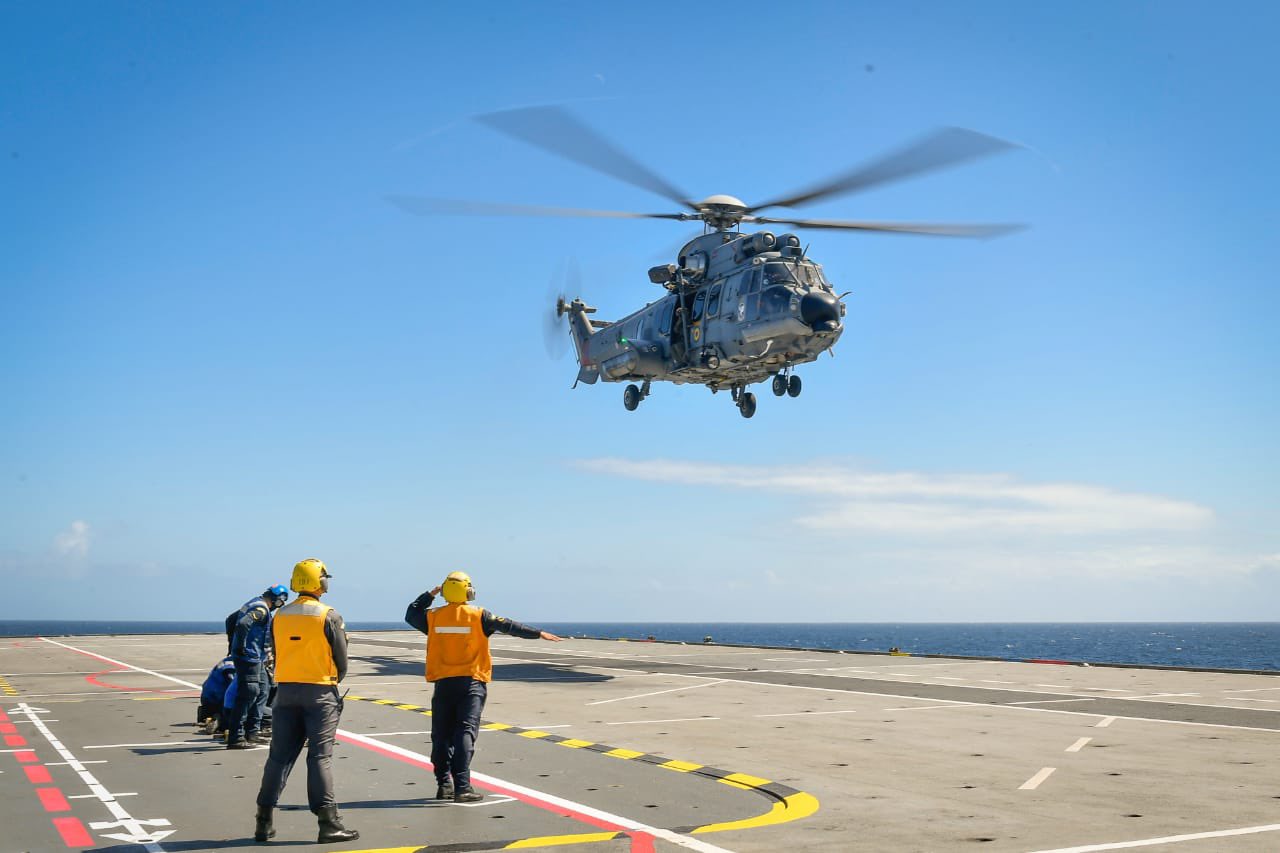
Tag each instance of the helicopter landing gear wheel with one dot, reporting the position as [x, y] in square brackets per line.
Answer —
[747, 404]
[631, 398]
[779, 385]
[793, 386]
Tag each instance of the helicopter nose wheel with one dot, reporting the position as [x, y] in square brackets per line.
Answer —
[632, 396]
[793, 385]
[779, 385]
[747, 404]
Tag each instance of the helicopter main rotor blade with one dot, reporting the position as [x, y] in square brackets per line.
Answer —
[927, 229]
[946, 147]
[558, 132]
[427, 206]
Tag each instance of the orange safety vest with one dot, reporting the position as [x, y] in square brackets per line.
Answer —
[303, 653]
[456, 643]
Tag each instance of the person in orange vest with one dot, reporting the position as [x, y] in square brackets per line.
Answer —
[460, 668]
[311, 658]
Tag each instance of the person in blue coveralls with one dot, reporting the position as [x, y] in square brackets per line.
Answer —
[460, 668]
[251, 652]
[212, 692]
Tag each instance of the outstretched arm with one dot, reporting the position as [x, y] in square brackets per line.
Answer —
[492, 623]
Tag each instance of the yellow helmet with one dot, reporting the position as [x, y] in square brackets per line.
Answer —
[457, 588]
[310, 575]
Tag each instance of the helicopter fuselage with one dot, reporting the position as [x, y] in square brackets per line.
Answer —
[739, 308]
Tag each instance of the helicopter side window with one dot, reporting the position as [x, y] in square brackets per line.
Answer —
[664, 318]
[697, 305]
[754, 287]
[713, 302]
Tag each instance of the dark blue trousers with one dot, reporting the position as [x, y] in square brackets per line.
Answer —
[456, 705]
[251, 686]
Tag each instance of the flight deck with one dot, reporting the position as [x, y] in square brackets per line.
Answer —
[596, 745]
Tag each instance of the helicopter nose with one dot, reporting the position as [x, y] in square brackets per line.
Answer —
[821, 311]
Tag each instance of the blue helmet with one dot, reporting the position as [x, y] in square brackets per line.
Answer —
[279, 592]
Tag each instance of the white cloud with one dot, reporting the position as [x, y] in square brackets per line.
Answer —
[923, 504]
[74, 541]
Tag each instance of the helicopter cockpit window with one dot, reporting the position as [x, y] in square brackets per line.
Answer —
[812, 276]
[713, 302]
[664, 318]
[754, 286]
[779, 274]
[775, 300]
[697, 305]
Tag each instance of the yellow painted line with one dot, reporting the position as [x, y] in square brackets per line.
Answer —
[742, 780]
[623, 753]
[389, 849]
[576, 744]
[534, 735]
[409, 707]
[552, 840]
[682, 766]
[384, 702]
[357, 698]
[495, 727]
[794, 807]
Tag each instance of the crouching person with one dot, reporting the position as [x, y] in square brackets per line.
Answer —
[311, 658]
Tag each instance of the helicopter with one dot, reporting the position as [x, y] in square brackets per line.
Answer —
[739, 308]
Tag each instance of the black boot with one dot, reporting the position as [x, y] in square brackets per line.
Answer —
[262, 830]
[331, 828]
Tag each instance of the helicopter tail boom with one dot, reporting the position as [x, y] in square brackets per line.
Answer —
[581, 329]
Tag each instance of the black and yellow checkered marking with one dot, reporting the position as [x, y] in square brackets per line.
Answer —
[786, 803]
[6, 687]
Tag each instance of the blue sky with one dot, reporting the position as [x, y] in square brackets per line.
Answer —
[222, 350]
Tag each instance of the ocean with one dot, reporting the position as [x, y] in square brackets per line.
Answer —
[1210, 645]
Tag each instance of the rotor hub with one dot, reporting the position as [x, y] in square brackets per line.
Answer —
[721, 211]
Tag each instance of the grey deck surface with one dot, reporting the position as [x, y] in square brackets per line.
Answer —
[615, 746]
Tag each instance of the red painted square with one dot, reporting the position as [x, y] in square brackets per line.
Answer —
[26, 756]
[52, 800]
[38, 774]
[15, 740]
[73, 832]
[8, 729]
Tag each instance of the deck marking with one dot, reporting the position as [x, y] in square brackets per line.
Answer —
[134, 831]
[394, 734]
[52, 800]
[1075, 747]
[1053, 701]
[655, 693]
[125, 665]
[38, 774]
[209, 743]
[73, 832]
[115, 795]
[952, 703]
[1104, 722]
[786, 803]
[1168, 839]
[676, 720]
[1034, 782]
[598, 817]
[805, 713]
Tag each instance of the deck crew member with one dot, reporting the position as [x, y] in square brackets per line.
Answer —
[311, 658]
[459, 665]
[209, 716]
[250, 649]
